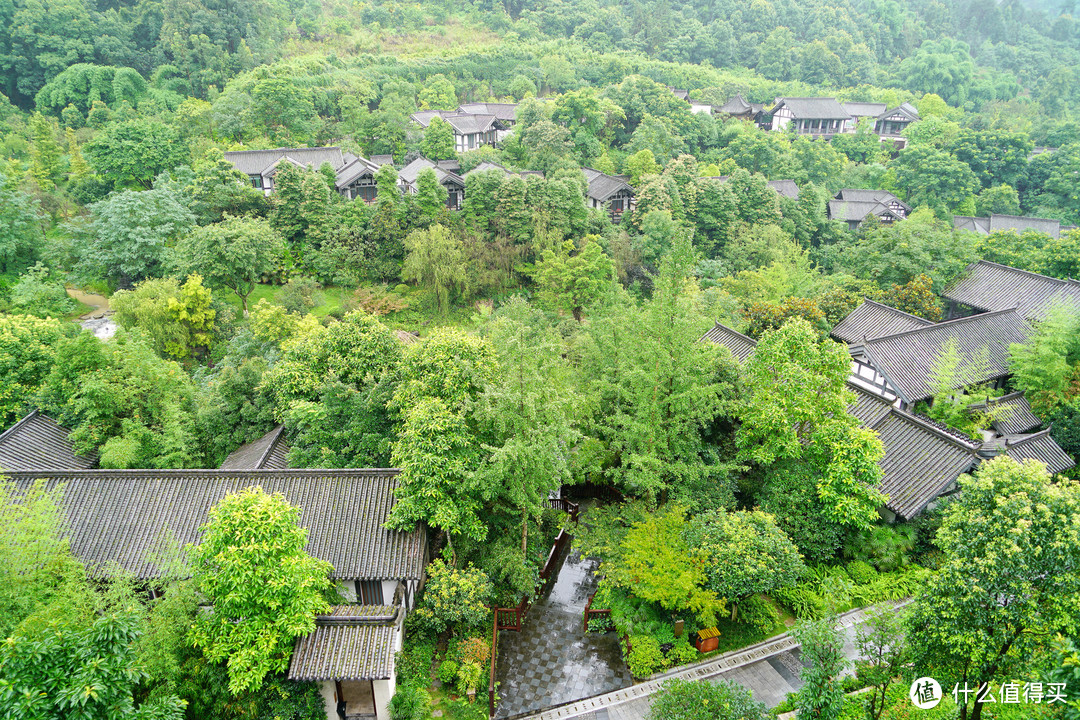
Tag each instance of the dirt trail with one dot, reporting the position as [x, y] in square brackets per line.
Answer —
[98, 302]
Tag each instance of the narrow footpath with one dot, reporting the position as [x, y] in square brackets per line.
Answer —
[770, 670]
[552, 661]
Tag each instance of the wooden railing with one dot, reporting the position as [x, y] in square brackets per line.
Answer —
[561, 503]
[590, 613]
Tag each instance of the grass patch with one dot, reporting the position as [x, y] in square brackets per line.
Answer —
[459, 708]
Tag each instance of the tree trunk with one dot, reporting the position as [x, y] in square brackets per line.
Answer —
[524, 530]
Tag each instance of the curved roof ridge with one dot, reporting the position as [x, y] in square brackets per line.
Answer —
[898, 310]
[949, 323]
[1019, 270]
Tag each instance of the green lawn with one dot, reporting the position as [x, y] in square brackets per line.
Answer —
[412, 313]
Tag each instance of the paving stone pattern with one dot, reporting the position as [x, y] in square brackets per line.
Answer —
[769, 669]
[551, 661]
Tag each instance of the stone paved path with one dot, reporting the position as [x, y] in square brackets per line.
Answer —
[769, 669]
[551, 661]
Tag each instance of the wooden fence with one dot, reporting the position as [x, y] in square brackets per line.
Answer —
[590, 613]
[568, 507]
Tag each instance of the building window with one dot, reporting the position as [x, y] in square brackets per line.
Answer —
[366, 193]
[256, 181]
[369, 592]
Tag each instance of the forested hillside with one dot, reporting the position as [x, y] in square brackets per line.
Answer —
[631, 291]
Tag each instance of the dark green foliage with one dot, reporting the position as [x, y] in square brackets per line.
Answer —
[887, 547]
[822, 654]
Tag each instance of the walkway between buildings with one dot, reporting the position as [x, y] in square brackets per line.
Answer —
[769, 669]
[552, 661]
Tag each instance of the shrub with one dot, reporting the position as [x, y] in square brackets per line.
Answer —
[802, 601]
[414, 664]
[470, 677]
[886, 547]
[682, 653]
[448, 671]
[410, 702]
[474, 649]
[861, 572]
[300, 295]
[687, 700]
[456, 596]
[645, 657]
[759, 613]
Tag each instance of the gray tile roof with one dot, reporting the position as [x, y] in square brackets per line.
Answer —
[423, 117]
[985, 285]
[920, 462]
[1019, 223]
[355, 169]
[863, 195]
[267, 453]
[864, 109]
[119, 517]
[907, 359]
[814, 108]
[740, 345]
[37, 443]
[602, 186]
[737, 105]
[410, 172]
[1039, 446]
[503, 111]
[857, 211]
[787, 188]
[256, 162]
[353, 642]
[872, 319]
[869, 407]
[905, 109]
[1013, 414]
[467, 124]
[381, 160]
[980, 225]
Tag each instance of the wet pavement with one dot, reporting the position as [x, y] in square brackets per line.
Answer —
[551, 661]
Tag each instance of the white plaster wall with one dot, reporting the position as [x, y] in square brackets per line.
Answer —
[384, 690]
[328, 691]
[388, 588]
[347, 590]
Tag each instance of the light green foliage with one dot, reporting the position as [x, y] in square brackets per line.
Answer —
[849, 486]
[698, 700]
[640, 164]
[439, 142]
[177, 319]
[346, 427]
[272, 323]
[1067, 670]
[27, 352]
[456, 598]
[933, 177]
[1005, 584]
[572, 282]
[34, 554]
[44, 152]
[645, 657]
[1040, 366]
[822, 654]
[235, 253]
[131, 154]
[744, 552]
[957, 382]
[131, 234]
[436, 260]
[449, 365]
[657, 564]
[437, 94]
[265, 589]
[37, 292]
